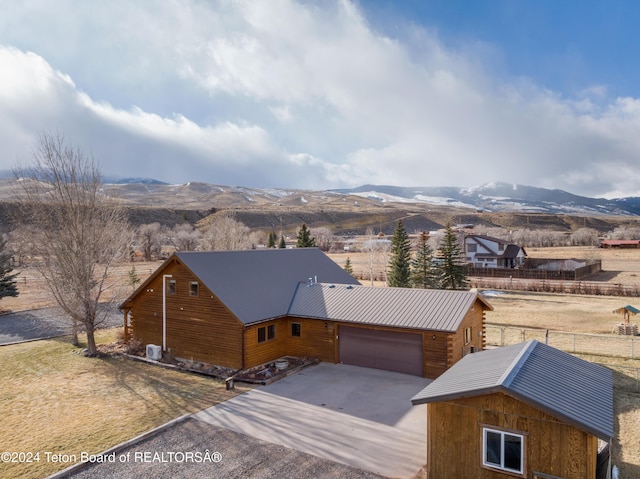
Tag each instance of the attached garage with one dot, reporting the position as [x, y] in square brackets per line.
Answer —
[413, 331]
[381, 349]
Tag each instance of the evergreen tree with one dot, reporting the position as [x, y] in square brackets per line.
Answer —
[423, 273]
[133, 279]
[452, 270]
[282, 243]
[305, 240]
[8, 285]
[271, 240]
[400, 260]
[348, 267]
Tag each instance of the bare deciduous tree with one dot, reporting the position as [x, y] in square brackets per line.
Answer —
[184, 237]
[323, 236]
[226, 233]
[79, 232]
[150, 239]
[377, 250]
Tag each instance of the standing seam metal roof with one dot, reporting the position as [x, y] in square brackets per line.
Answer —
[440, 310]
[257, 285]
[569, 388]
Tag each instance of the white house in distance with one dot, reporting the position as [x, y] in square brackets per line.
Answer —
[488, 252]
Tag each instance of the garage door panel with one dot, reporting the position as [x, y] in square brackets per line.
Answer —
[389, 350]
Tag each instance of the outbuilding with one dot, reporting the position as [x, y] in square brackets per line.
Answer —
[526, 410]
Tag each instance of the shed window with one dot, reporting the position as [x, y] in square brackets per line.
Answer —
[262, 334]
[171, 286]
[503, 450]
[193, 288]
[295, 329]
[271, 331]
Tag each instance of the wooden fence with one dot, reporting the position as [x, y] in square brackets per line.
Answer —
[597, 288]
[627, 378]
[534, 269]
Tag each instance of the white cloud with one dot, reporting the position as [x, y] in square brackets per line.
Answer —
[286, 93]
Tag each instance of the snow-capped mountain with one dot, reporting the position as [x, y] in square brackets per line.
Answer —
[496, 197]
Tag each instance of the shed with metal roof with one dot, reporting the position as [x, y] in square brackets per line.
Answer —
[528, 409]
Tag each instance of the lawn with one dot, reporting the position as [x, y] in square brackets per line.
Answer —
[56, 400]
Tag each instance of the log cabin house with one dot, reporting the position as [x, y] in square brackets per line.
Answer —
[240, 309]
[527, 410]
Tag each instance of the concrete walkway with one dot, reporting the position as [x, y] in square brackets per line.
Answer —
[355, 416]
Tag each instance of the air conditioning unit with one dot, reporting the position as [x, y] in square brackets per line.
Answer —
[154, 352]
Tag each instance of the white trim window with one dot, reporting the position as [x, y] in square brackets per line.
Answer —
[503, 450]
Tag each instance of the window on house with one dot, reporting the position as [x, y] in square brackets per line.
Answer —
[503, 450]
[171, 286]
[467, 335]
[266, 333]
[295, 329]
[193, 288]
[472, 248]
[501, 247]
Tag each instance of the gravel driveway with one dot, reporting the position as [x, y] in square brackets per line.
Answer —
[240, 457]
[44, 323]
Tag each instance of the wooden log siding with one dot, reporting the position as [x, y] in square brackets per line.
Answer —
[474, 319]
[454, 439]
[317, 339]
[199, 328]
[435, 353]
[256, 353]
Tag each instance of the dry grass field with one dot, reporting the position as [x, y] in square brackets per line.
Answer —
[54, 400]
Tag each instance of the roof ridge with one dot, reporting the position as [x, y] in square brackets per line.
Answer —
[293, 296]
[514, 368]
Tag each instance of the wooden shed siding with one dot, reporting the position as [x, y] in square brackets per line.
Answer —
[199, 328]
[551, 446]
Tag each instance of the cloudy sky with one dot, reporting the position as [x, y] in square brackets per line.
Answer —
[328, 94]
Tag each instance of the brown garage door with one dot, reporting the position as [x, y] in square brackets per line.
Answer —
[390, 350]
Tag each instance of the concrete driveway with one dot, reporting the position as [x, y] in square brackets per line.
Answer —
[355, 416]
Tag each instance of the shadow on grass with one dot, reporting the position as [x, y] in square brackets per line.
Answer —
[168, 393]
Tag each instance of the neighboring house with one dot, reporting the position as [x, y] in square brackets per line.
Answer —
[239, 309]
[488, 252]
[527, 410]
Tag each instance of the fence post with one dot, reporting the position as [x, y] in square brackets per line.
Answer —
[502, 336]
[632, 349]
[574, 343]
[524, 336]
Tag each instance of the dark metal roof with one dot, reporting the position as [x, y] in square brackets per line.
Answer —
[259, 284]
[570, 389]
[511, 251]
[399, 307]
